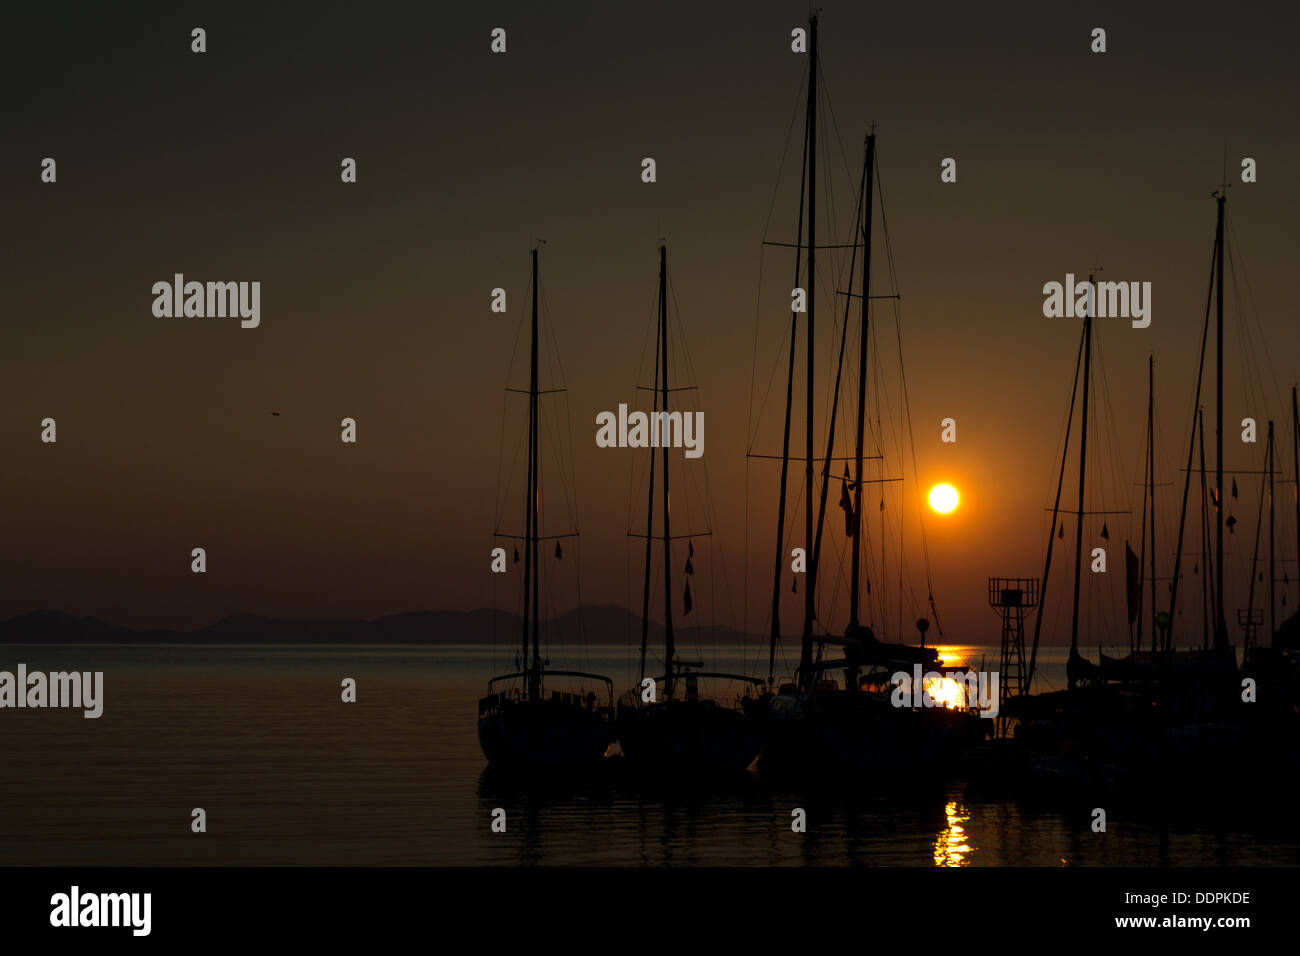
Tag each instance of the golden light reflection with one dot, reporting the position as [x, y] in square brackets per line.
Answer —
[950, 847]
[954, 655]
[946, 692]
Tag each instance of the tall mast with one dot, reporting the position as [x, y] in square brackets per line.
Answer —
[1051, 534]
[775, 636]
[1197, 413]
[780, 515]
[649, 526]
[1207, 598]
[1272, 571]
[1151, 464]
[855, 573]
[1148, 493]
[531, 583]
[1083, 461]
[805, 650]
[669, 650]
[1295, 451]
[835, 397]
[1220, 624]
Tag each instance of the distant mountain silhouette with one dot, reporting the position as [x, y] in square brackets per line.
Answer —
[597, 624]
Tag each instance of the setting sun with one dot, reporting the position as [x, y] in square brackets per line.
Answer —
[943, 498]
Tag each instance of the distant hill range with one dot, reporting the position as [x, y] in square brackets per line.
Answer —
[597, 624]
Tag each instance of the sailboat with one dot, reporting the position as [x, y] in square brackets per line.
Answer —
[519, 725]
[1165, 714]
[1277, 664]
[667, 723]
[853, 724]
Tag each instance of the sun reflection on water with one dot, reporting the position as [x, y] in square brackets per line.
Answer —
[950, 846]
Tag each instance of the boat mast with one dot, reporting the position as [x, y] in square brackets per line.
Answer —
[1207, 596]
[1083, 461]
[669, 650]
[1148, 496]
[1151, 464]
[775, 635]
[1051, 534]
[1197, 412]
[1295, 451]
[835, 396]
[855, 573]
[1220, 624]
[649, 524]
[1272, 570]
[780, 514]
[531, 584]
[805, 650]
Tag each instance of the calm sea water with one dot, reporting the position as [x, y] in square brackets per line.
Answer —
[288, 774]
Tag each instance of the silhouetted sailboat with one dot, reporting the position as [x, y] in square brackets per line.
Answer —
[520, 726]
[816, 722]
[1168, 714]
[667, 723]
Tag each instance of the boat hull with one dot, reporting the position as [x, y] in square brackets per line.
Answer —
[855, 734]
[699, 737]
[544, 735]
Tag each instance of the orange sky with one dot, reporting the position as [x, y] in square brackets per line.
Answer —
[375, 296]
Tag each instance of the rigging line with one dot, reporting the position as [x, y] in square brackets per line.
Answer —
[829, 200]
[782, 353]
[767, 225]
[557, 450]
[1251, 364]
[1248, 366]
[830, 429]
[550, 428]
[710, 504]
[1253, 312]
[1051, 537]
[634, 486]
[569, 477]
[1259, 521]
[898, 441]
[776, 188]
[907, 404]
[576, 545]
[877, 432]
[782, 498]
[1191, 447]
[1117, 471]
[835, 125]
[1115, 456]
[690, 484]
[505, 404]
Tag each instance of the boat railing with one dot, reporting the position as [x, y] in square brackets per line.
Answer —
[632, 698]
[609, 684]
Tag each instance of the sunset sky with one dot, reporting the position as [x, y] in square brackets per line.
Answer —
[375, 296]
